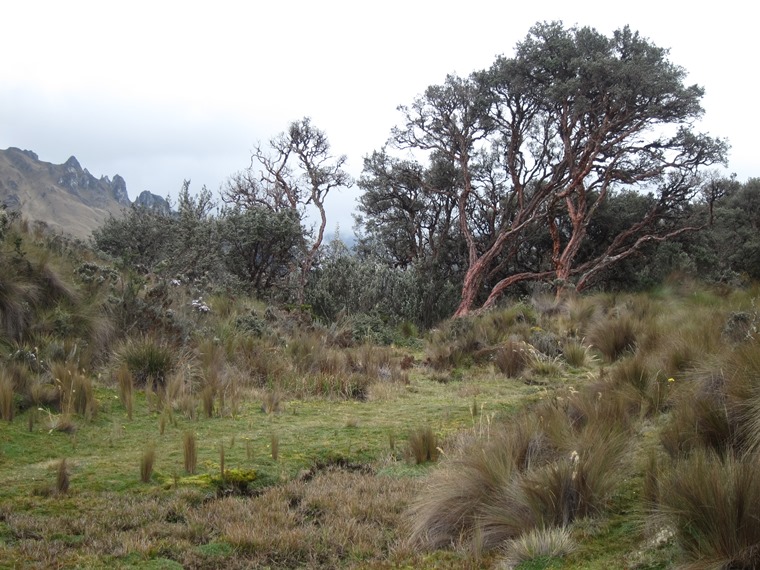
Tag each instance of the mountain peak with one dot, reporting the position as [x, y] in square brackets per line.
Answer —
[73, 163]
[65, 196]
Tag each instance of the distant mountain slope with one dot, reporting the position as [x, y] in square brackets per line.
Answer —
[65, 196]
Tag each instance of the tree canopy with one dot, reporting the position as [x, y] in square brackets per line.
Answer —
[536, 144]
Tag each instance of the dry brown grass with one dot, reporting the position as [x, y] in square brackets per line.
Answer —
[190, 451]
[62, 481]
[147, 462]
[7, 403]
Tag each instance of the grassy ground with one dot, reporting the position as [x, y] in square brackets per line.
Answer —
[590, 433]
[324, 446]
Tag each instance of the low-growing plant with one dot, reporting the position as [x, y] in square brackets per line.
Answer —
[271, 402]
[552, 542]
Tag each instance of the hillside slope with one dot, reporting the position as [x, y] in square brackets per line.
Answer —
[65, 196]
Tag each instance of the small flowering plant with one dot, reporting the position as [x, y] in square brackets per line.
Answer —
[200, 306]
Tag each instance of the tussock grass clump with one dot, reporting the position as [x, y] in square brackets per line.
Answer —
[613, 337]
[7, 401]
[147, 461]
[271, 402]
[713, 505]
[539, 471]
[554, 542]
[190, 451]
[423, 445]
[513, 357]
[646, 383]
[274, 447]
[715, 404]
[149, 360]
[62, 481]
[575, 354]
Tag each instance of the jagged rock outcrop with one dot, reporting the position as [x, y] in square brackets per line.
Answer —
[149, 200]
[64, 196]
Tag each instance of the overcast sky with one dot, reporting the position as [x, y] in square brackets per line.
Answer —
[162, 91]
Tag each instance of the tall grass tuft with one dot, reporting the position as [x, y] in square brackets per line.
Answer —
[513, 357]
[613, 337]
[274, 444]
[62, 478]
[149, 360]
[714, 507]
[542, 469]
[423, 445]
[575, 354]
[146, 463]
[7, 403]
[83, 396]
[126, 386]
[271, 402]
[190, 451]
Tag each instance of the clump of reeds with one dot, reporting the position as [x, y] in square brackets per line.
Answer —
[190, 451]
[7, 403]
[146, 463]
[125, 381]
[423, 445]
[62, 478]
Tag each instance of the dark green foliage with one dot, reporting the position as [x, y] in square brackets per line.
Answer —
[349, 284]
[140, 240]
[259, 246]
